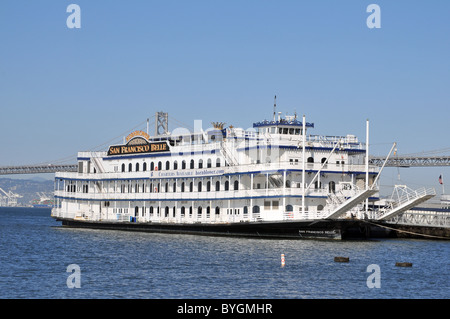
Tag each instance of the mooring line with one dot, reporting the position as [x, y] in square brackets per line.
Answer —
[405, 231]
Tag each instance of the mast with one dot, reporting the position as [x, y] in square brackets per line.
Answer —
[367, 163]
[274, 108]
[304, 164]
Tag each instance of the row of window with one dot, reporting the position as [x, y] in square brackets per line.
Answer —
[159, 165]
[155, 188]
[183, 210]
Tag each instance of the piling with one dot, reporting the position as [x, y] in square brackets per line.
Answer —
[403, 264]
[341, 259]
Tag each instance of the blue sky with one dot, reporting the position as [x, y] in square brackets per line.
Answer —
[65, 90]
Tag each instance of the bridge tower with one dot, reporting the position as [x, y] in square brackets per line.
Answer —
[162, 123]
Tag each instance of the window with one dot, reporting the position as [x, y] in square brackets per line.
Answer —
[166, 211]
[208, 186]
[217, 186]
[192, 164]
[175, 165]
[332, 187]
[310, 160]
[208, 163]
[245, 210]
[123, 167]
[289, 208]
[159, 166]
[191, 187]
[183, 164]
[130, 167]
[182, 187]
[275, 204]
[217, 210]
[199, 212]
[183, 211]
[199, 187]
[167, 165]
[227, 185]
[208, 212]
[218, 162]
[174, 188]
[137, 167]
[255, 209]
[200, 163]
[144, 167]
[236, 185]
[152, 166]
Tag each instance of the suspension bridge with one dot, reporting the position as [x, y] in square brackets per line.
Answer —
[397, 161]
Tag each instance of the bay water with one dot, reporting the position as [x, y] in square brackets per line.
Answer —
[41, 259]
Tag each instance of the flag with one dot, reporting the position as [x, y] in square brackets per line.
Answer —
[440, 179]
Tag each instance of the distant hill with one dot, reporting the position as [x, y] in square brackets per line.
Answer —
[28, 188]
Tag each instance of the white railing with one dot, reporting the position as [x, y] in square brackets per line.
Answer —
[406, 194]
[204, 195]
[423, 218]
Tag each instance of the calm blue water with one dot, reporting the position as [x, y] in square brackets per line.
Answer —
[35, 252]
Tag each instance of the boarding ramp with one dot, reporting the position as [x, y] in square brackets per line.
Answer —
[403, 199]
[339, 204]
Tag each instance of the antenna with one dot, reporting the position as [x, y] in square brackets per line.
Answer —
[274, 108]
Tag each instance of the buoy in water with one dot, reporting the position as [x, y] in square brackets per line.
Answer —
[341, 259]
[283, 262]
[403, 264]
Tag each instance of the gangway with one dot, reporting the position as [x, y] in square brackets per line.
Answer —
[349, 203]
[405, 199]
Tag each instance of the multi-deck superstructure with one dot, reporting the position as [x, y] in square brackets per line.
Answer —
[271, 180]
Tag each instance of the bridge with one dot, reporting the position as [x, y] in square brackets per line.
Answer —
[38, 169]
[411, 161]
[397, 161]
